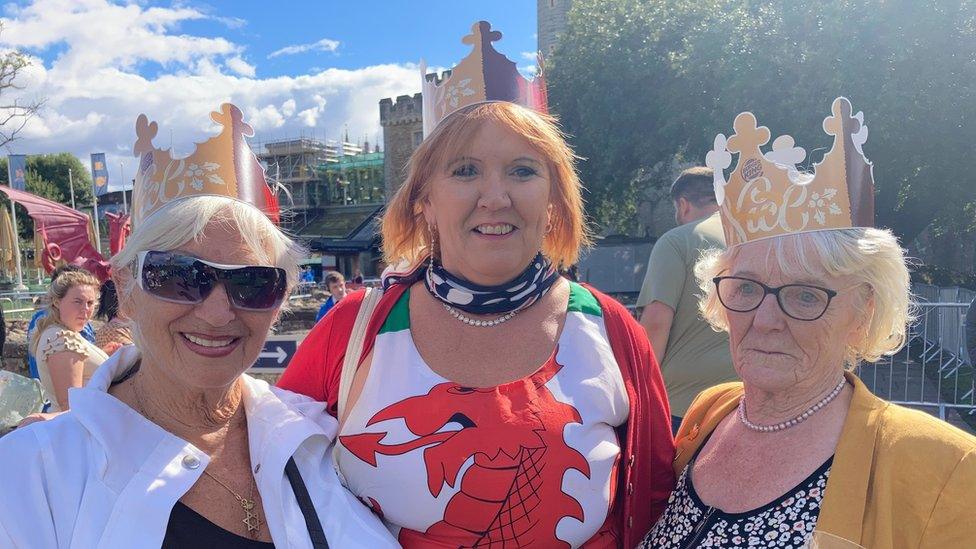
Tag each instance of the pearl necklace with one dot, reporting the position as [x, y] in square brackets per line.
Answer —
[790, 422]
[480, 323]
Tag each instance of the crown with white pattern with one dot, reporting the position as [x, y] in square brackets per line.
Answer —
[221, 166]
[483, 76]
[766, 195]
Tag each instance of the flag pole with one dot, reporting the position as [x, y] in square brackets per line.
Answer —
[98, 235]
[125, 202]
[71, 185]
[20, 287]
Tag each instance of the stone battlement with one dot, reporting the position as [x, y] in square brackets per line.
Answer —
[407, 109]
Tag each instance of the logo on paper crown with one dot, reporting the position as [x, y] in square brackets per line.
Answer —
[483, 76]
[221, 166]
[766, 195]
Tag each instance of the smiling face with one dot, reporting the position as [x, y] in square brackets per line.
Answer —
[207, 345]
[774, 352]
[490, 206]
[77, 306]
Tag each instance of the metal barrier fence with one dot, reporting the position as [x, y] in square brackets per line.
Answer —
[934, 369]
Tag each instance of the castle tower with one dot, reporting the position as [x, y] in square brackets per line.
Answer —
[403, 130]
[552, 16]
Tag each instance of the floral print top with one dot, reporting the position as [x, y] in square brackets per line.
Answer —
[788, 521]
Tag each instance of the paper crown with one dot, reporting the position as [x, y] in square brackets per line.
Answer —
[221, 166]
[766, 195]
[483, 76]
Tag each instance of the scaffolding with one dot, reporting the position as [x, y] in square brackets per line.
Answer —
[354, 178]
[292, 163]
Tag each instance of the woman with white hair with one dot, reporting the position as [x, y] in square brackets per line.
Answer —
[171, 444]
[800, 450]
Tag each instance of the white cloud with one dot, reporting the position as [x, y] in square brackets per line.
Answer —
[95, 89]
[325, 44]
[241, 67]
[530, 55]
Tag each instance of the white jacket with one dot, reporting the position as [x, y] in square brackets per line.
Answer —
[102, 476]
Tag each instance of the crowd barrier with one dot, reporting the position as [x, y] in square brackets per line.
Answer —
[934, 368]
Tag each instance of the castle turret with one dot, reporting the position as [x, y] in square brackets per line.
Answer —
[403, 130]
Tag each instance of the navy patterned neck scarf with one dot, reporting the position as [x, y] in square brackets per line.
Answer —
[516, 294]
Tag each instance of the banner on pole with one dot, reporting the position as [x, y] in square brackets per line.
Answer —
[17, 171]
[99, 174]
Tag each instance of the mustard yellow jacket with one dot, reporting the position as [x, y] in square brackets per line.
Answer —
[900, 479]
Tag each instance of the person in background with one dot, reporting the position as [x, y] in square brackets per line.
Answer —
[64, 358]
[337, 288]
[693, 356]
[87, 332]
[115, 332]
[307, 275]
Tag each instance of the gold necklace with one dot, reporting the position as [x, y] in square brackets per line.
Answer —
[252, 519]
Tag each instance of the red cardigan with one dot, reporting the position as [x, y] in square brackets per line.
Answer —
[646, 441]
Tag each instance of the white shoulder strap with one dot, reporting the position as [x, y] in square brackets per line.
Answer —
[354, 349]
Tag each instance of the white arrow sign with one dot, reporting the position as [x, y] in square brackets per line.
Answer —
[279, 355]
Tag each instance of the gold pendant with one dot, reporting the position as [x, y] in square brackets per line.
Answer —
[251, 519]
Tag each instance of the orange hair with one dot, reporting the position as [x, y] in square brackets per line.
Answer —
[405, 232]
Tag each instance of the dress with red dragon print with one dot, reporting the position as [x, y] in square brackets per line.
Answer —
[530, 463]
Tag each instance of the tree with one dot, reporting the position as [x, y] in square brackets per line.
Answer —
[643, 84]
[14, 111]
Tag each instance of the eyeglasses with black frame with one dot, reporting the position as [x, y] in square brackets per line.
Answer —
[798, 301]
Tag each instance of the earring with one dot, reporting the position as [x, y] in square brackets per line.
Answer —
[549, 226]
[432, 231]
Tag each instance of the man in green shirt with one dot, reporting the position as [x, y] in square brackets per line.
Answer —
[692, 356]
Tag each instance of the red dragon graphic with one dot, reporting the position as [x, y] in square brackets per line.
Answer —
[511, 496]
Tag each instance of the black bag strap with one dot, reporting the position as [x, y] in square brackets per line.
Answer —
[315, 532]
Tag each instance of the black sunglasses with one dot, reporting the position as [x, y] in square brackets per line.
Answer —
[186, 279]
[798, 301]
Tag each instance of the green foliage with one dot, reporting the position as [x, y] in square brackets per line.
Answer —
[640, 83]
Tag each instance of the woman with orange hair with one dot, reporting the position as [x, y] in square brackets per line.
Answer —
[482, 398]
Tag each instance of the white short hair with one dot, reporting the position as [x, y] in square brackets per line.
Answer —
[184, 220]
[870, 256]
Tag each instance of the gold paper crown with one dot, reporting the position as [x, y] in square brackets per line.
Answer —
[483, 76]
[766, 195]
[221, 166]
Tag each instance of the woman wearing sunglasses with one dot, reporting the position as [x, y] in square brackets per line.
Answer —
[801, 450]
[171, 444]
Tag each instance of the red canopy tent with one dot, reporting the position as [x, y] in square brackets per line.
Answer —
[64, 231]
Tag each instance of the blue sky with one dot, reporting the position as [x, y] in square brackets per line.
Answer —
[295, 68]
[368, 32]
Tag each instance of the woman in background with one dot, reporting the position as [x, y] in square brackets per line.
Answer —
[64, 358]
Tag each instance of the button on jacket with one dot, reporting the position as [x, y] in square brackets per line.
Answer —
[103, 476]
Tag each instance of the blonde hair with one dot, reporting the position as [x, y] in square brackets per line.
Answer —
[405, 233]
[184, 220]
[871, 257]
[59, 288]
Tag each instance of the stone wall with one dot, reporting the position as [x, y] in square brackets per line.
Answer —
[403, 130]
[552, 16]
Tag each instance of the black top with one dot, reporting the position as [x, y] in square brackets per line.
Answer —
[187, 529]
[786, 522]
